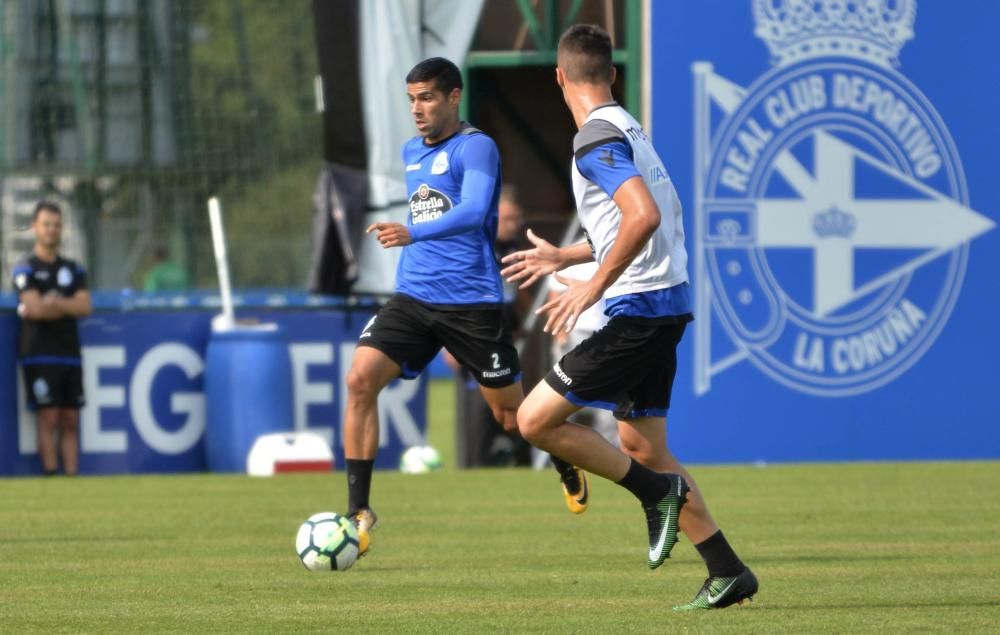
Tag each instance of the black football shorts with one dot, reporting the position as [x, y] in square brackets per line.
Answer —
[53, 386]
[627, 367]
[411, 333]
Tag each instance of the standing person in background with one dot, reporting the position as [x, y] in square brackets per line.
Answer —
[164, 274]
[52, 294]
[627, 204]
[510, 222]
[449, 292]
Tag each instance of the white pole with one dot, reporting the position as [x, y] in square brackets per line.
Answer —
[228, 319]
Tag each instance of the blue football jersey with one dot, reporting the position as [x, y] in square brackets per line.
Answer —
[454, 187]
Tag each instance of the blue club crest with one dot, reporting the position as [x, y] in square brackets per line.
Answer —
[831, 162]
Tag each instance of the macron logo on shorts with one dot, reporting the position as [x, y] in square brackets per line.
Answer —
[562, 375]
[493, 374]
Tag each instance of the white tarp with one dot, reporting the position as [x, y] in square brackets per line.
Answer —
[395, 36]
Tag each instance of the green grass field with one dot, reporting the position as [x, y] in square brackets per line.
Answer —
[891, 548]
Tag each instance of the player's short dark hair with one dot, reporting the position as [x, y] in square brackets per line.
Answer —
[584, 54]
[45, 206]
[441, 73]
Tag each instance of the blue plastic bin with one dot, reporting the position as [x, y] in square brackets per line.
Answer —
[248, 392]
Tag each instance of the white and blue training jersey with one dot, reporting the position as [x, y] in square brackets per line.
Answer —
[454, 187]
[609, 149]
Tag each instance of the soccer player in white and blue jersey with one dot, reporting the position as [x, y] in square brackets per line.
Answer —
[449, 292]
[630, 211]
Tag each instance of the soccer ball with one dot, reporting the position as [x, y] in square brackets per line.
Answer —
[420, 459]
[327, 542]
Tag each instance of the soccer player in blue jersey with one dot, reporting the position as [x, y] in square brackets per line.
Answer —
[449, 292]
[630, 211]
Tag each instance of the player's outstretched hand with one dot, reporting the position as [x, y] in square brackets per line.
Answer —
[564, 309]
[528, 265]
[390, 234]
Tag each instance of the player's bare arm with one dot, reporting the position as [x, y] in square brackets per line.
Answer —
[31, 307]
[529, 265]
[35, 306]
[52, 306]
[78, 305]
[390, 234]
[640, 218]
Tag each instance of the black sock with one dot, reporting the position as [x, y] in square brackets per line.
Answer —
[51, 472]
[561, 466]
[648, 486]
[719, 557]
[359, 483]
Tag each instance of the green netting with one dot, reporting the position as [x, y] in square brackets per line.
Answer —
[134, 112]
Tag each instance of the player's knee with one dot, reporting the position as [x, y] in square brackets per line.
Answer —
[641, 455]
[632, 447]
[654, 457]
[361, 385]
[642, 451]
[69, 424]
[48, 418]
[530, 425]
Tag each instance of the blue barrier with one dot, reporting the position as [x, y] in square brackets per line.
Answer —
[131, 300]
[145, 371]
